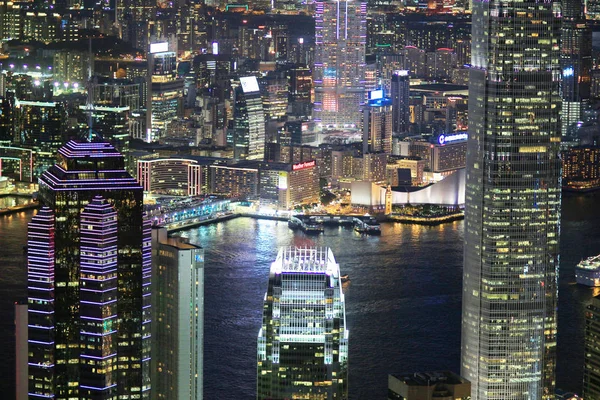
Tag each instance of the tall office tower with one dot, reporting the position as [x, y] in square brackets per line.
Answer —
[41, 127]
[275, 92]
[512, 207]
[89, 280]
[113, 126]
[300, 83]
[7, 123]
[164, 89]
[591, 367]
[249, 121]
[339, 72]
[303, 342]
[377, 124]
[133, 21]
[400, 101]
[178, 312]
[576, 64]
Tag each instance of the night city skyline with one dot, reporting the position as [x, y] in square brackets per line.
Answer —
[398, 197]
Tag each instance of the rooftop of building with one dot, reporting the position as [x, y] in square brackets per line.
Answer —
[73, 149]
[310, 260]
[180, 243]
[430, 378]
[89, 166]
[177, 242]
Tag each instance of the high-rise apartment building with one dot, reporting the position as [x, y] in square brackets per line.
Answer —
[89, 280]
[303, 342]
[178, 312]
[512, 201]
[400, 101]
[377, 124]
[249, 121]
[591, 367]
[339, 72]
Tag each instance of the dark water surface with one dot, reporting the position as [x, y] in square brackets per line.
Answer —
[403, 305]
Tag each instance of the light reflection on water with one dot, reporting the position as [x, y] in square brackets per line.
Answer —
[403, 303]
[11, 201]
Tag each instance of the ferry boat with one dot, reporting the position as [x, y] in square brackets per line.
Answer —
[312, 227]
[587, 272]
[369, 228]
[294, 224]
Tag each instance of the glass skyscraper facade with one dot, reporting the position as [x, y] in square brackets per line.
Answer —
[303, 342]
[89, 266]
[591, 366]
[40, 126]
[178, 312]
[512, 201]
[339, 72]
[249, 121]
[165, 90]
[400, 93]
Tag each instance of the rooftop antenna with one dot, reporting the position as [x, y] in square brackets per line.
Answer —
[90, 91]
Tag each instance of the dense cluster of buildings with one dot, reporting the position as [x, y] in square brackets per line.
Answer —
[270, 102]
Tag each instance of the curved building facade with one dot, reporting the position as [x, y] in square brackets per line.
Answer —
[450, 192]
[177, 176]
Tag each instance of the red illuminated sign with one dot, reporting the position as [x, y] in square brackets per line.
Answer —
[302, 165]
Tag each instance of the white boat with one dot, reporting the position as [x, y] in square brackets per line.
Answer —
[587, 272]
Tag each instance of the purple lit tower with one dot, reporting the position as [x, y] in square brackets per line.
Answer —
[98, 297]
[89, 265]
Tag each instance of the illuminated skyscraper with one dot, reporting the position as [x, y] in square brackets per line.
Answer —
[400, 101]
[88, 278]
[178, 312]
[133, 21]
[303, 342]
[165, 90]
[249, 121]
[339, 72]
[591, 366]
[576, 64]
[41, 126]
[377, 124]
[512, 207]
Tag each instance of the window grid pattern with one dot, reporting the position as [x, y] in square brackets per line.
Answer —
[303, 343]
[512, 201]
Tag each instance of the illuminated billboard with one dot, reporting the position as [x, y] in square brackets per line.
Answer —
[249, 84]
[159, 47]
[283, 180]
[376, 94]
[303, 165]
[443, 139]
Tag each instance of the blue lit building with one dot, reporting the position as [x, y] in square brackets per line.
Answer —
[377, 124]
[89, 266]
